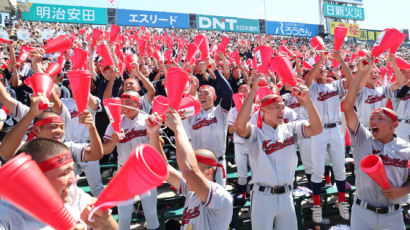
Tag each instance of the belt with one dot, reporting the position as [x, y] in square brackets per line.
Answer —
[384, 210]
[275, 190]
[407, 121]
[331, 125]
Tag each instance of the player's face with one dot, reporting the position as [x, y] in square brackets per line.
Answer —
[61, 179]
[322, 75]
[54, 131]
[144, 70]
[236, 73]
[129, 112]
[381, 127]
[131, 85]
[206, 97]
[406, 74]
[244, 90]
[374, 75]
[273, 114]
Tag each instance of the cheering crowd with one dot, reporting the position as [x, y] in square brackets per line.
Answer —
[333, 97]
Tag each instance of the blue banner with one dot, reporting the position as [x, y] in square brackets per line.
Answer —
[152, 19]
[292, 29]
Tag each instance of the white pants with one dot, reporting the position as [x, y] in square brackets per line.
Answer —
[93, 175]
[364, 219]
[219, 173]
[241, 159]
[149, 205]
[403, 131]
[268, 209]
[305, 156]
[331, 142]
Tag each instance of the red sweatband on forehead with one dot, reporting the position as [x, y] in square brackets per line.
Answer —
[390, 113]
[210, 162]
[56, 162]
[127, 96]
[49, 120]
[271, 101]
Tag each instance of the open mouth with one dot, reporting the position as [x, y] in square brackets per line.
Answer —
[375, 131]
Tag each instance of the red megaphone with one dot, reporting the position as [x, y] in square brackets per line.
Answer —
[192, 48]
[159, 106]
[189, 106]
[284, 69]
[307, 65]
[144, 170]
[396, 46]
[386, 40]
[373, 166]
[284, 49]
[59, 44]
[130, 60]
[80, 81]
[61, 60]
[25, 186]
[105, 53]
[78, 58]
[401, 63]
[263, 55]
[176, 81]
[237, 100]
[261, 93]
[113, 108]
[158, 55]
[339, 37]
[40, 83]
[53, 69]
[96, 35]
[317, 43]
[115, 30]
[23, 55]
[235, 57]
[202, 43]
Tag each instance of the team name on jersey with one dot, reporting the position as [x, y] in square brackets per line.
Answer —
[324, 96]
[203, 122]
[189, 214]
[129, 135]
[294, 105]
[74, 114]
[406, 97]
[269, 147]
[397, 162]
[371, 99]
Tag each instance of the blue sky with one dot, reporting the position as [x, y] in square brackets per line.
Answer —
[379, 14]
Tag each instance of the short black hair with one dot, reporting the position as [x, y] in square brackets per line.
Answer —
[41, 149]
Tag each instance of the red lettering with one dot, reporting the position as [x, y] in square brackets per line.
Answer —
[327, 95]
[204, 122]
[270, 148]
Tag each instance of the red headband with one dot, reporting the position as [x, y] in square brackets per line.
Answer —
[127, 96]
[210, 162]
[265, 103]
[56, 162]
[390, 113]
[49, 120]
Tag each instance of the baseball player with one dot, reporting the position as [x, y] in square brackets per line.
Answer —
[372, 96]
[60, 174]
[272, 146]
[208, 205]
[78, 133]
[326, 98]
[135, 133]
[207, 130]
[401, 105]
[375, 208]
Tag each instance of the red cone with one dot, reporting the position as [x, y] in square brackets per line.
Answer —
[23, 55]
[115, 30]
[201, 41]
[144, 170]
[80, 86]
[78, 58]
[59, 44]
[307, 65]
[339, 37]
[396, 46]
[263, 55]
[284, 69]
[113, 108]
[176, 81]
[28, 189]
[386, 40]
[53, 69]
[238, 100]
[105, 53]
[159, 106]
[40, 83]
[317, 43]
[373, 166]
[284, 49]
[189, 106]
[402, 64]
[96, 35]
[192, 49]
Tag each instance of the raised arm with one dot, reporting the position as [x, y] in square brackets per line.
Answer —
[347, 72]
[147, 84]
[348, 106]
[186, 159]
[399, 77]
[315, 71]
[94, 151]
[242, 126]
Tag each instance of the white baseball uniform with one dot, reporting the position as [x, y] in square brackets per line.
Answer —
[402, 108]
[215, 213]
[326, 98]
[369, 99]
[395, 156]
[208, 130]
[77, 132]
[274, 153]
[135, 133]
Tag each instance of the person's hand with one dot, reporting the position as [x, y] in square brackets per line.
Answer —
[35, 102]
[394, 193]
[153, 124]
[366, 63]
[336, 55]
[392, 59]
[173, 120]
[79, 227]
[257, 80]
[301, 93]
[117, 137]
[86, 119]
[101, 217]
[210, 64]
[37, 55]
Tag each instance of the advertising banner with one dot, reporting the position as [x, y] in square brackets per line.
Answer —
[369, 35]
[152, 19]
[352, 29]
[207, 22]
[339, 11]
[292, 29]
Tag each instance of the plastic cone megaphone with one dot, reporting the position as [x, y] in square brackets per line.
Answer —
[78, 58]
[284, 69]
[192, 49]
[237, 100]
[339, 37]
[373, 166]
[201, 41]
[115, 30]
[61, 60]
[40, 83]
[23, 55]
[402, 64]
[263, 55]
[131, 61]
[224, 42]
[284, 49]
[113, 108]
[189, 106]
[53, 69]
[105, 53]
[362, 52]
[59, 44]
[262, 92]
[386, 40]
[159, 106]
[235, 57]
[176, 81]
[396, 46]
[158, 55]
[307, 65]
[144, 170]
[21, 174]
[96, 35]
[317, 43]
[80, 86]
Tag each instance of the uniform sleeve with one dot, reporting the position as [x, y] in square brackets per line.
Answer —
[359, 99]
[183, 189]
[145, 104]
[359, 135]
[292, 115]
[252, 137]
[298, 128]
[388, 91]
[77, 150]
[219, 200]
[233, 113]
[65, 114]
[20, 110]
[339, 86]
[108, 132]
